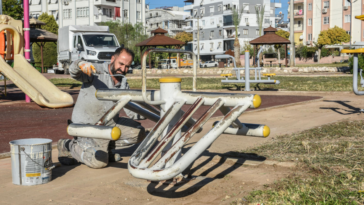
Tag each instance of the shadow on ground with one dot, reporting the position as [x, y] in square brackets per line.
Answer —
[349, 111]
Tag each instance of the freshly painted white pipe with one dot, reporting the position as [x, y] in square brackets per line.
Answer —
[191, 155]
[255, 130]
[94, 131]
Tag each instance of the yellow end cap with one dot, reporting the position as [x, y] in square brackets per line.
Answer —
[266, 131]
[96, 94]
[115, 133]
[170, 80]
[257, 101]
[361, 17]
[246, 51]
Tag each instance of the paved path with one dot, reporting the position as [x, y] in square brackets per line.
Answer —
[28, 120]
[217, 183]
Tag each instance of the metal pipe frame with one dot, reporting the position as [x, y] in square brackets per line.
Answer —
[144, 70]
[355, 76]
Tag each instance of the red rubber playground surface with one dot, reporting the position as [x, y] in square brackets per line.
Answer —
[20, 120]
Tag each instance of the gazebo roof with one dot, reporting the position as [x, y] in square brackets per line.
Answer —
[270, 28]
[270, 38]
[159, 39]
[40, 35]
[159, 30]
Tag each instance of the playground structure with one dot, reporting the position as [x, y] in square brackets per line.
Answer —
[355, 53]
[25, 77]
[144, 162]
[247, 80]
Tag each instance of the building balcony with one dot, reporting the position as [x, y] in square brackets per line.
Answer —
[297, 1]
[188, 7]
[188, 28]
[106, 3]
[228, 12]
[297, 14]
[105, 18]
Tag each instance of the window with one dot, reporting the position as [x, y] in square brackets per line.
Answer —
[310, 22]
[211, 46]
[156, 14]
[125, 13]
[212, 9]
[348, 32]
[212, 21]
[347, 3]
[347, 18]
[310, 6]
[257, 32]
[82, 12]
[229, 32]
[245, 32]
[202, 12]
[138, 1]
[219, 45]
[266, 21]
[246, 20]
[220, 32]
[203, 22]
[310, 36]
[219, 7]
[67, 14]
[138, 15]
[211, 34]
[54, 13]
[202, 34]
[202, 44]
[326, 20]
[326, 4]
[74, 42]
[194, 12]
[220, 20]
[299, 23]
[195, 46]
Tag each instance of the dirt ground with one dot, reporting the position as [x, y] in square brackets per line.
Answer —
[214, 183]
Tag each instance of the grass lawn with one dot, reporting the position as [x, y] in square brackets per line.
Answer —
[330, 159]
[287, 83]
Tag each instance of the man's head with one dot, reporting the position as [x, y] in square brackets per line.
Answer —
[121, 61]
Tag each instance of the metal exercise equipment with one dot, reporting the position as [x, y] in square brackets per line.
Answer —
[355, 69]
[247, 80]
[158, 160]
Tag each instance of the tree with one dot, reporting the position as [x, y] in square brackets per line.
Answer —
[260, 17]
[184, 37]
[248, 47]
[332, 36]
[236, 21]
[284, 34]
[128, 35]
[50, 48]
[13, 8]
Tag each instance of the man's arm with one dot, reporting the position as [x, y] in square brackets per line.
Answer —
[77, 74]
[132, 115]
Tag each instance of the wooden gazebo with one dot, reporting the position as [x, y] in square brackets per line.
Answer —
[40, 36]
[270, 38]
[158, 39]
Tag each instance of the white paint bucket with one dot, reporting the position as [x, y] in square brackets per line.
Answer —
[31, 161]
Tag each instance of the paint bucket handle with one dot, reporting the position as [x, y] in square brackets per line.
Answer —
[46, 168]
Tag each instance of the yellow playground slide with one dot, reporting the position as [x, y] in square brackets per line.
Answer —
[29, 80]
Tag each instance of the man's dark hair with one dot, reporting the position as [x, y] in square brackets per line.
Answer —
[123, 49]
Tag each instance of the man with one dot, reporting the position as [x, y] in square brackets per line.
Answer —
[95, 153]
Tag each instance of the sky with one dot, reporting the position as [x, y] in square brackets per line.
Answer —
[159, 3]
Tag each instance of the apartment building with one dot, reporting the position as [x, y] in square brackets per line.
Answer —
[313, 16]
[171, 19]
[89, 12]
[217, 31]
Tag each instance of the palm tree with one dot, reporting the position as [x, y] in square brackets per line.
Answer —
[236, 21]
[260, 17]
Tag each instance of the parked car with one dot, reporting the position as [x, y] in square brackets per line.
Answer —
[209, 64]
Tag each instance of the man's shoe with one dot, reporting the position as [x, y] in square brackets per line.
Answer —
[64, 155]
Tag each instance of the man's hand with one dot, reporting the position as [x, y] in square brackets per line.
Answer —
[87, 68]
